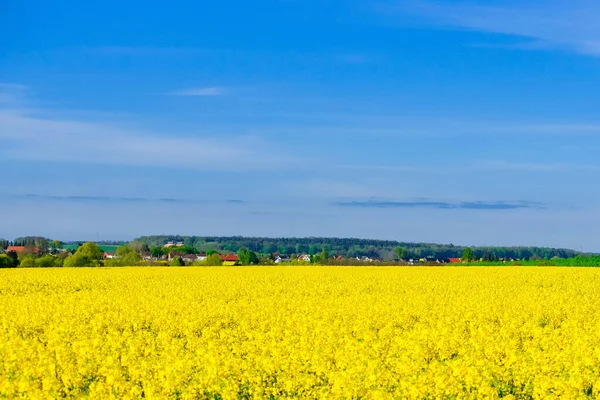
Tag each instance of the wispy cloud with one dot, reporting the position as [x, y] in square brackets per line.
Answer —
[499, 165]
[551, 128]
[79, 198]
[27, 136]
[374, 167]
[443, 205]
[143, 50]
[569, 24]
[205, 91]
[12, 93]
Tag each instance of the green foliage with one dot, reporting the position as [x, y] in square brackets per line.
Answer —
[213, 260]
[90, 250]
[139, 247]
[47, 261]
[129, 259]
[87, 255]
[123, 250]
[3, 244]
[350, 247]
[177, 262]
[398, 252]
[247, 257]
[156, 251]
[28, 262]
[32, 241]
[324, 254]
[7, 262]
[78, 260]
[579, 261]
[14, 257]
[467, 255]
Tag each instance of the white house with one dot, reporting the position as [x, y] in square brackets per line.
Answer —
[304, 257]
[282, 258]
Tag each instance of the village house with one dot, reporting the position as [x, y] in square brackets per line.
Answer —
[174, 254]
[229, 259]
[189, 258]
[171, 244]
[304, 257]
[282, 258]
[22, 249]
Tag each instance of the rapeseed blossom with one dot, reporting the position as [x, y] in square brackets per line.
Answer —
[300, 332]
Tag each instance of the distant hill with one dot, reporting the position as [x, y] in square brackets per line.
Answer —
[350, 247]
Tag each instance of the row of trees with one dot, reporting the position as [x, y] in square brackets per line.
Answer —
[346, 247]
[90, 255]
[349, 248]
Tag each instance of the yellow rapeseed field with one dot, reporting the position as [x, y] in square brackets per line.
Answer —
[300, 332]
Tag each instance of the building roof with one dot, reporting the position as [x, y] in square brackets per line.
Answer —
[16, 248]
[229, 257]
[454, 260]
[19, 249]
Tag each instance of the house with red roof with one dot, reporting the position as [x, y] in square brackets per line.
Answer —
[229, 259]
[21, 249]
[454, 260]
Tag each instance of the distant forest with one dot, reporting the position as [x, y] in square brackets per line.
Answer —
[347, 247]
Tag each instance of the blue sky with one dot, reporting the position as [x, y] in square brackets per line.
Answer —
[470, 122]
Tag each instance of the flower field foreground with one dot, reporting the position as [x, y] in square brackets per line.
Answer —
[300, 332]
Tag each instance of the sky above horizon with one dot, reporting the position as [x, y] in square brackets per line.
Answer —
[451, 121]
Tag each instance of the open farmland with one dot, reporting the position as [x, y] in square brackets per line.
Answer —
[300, 332]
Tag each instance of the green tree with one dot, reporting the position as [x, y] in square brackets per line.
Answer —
[3, 244]
[6, 261]
[139, 247]
[467, 255]
[46, 261]
[77, 260]
[87, 255]
[254, 258]
[57, 244]
[156, 251]
[399, 252]
[14, 259]
[91, 250]
[123, 250]
[324, 256]
[130, 259]
[247, 257]
[213, 260]
[177, 262]
[43, 245]
[28, 262]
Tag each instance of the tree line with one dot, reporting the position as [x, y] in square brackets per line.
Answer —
[351, 248]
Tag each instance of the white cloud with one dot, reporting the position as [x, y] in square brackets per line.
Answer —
[553, 128]
[12, 93]
[143, 51]
[570, 24]
[29, 137]
[207, 91]
[499, 165]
